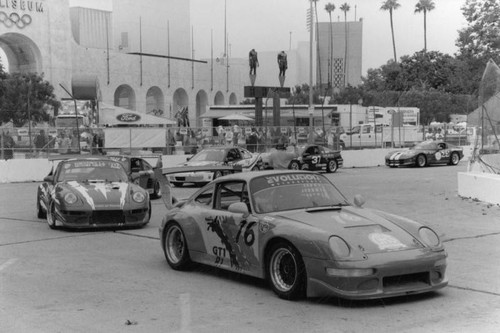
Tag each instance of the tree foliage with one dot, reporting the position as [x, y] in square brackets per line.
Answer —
[25, 95]
[300, 95]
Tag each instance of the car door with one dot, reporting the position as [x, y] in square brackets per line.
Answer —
[442, 154]
[311, 157]
[137, 166]
[231, 238]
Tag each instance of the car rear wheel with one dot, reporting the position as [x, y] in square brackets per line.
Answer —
[175, 247]
[286, 271]
[156, 191]
[294, 165]
[51, 216]
[421, 161]
[332, 166]
[454, 158]
[255, 168]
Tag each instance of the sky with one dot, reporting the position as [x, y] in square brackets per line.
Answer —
[268, 25]
[273, 25]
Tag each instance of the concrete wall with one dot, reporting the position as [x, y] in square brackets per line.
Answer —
[26, 170]
[479, 186]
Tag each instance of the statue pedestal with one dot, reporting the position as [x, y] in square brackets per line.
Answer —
[282, 80]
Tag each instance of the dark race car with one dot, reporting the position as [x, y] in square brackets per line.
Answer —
[317, 158]
[296, 230]
[425, 153]
[92, 193]
[144, 167]
[216, 156]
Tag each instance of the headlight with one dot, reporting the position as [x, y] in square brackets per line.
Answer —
[339, 247]
[70, 198]
[429, 237]
[138, 197]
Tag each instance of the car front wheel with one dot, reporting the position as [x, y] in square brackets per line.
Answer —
[454, 158]
[286, 272]
[332, 166]
[421, 161]
[40, 213]
[294, 165]
[51, 216]
[175, 247]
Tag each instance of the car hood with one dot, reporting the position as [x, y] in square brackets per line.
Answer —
[361, 228]
[401, 153]
[98, 194]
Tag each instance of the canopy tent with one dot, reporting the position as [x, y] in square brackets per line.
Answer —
[115, 115]
[236, 116]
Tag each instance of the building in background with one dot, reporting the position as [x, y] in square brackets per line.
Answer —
[140, 54]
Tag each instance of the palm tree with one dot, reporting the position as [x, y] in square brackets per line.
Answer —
[345, 8]
[425, 6]
[330, 7]
[391, 5]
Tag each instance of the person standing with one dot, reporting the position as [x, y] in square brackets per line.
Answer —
[8, 146]
[41, 141]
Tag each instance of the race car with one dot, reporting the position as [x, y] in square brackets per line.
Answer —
[216, 156]
[317, 158]
[92, 193]
[426, 153]
[145, 167]
[296, 230]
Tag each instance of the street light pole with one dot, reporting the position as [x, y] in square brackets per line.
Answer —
[311, 107]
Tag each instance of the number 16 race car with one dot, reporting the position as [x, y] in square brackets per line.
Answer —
[296, 230]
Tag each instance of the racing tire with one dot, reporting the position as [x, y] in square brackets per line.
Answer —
[175, 247]
[217, 174]
[286, 271]
[40, 213]
[294, 165]
[51, 219]
[332, 166]
[156, 191]
[454, 159]
[421, 161]
[177, 184]
[255, 168]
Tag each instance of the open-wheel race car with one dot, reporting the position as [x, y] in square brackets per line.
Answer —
[296, 230]
[86, 193]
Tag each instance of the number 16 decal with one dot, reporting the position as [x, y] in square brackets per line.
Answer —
[248, 235]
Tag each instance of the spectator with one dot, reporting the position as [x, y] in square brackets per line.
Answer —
[280, 158]
[8, 146]
[64, 144]
[252, 140]
[41, 141]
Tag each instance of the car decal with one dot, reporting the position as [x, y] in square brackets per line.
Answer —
[83, 191]
[238, 240]
[385, 241]
[102, 188]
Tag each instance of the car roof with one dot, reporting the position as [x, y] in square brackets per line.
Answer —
[255, 174]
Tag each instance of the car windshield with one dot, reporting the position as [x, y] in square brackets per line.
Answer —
[92, 171]
[288, 191]
[216, 155]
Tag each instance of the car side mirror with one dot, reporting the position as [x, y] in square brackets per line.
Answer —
[239, 208]
[359, 200]
[48, 179]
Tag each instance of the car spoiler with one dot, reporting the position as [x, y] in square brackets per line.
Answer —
[166, 187]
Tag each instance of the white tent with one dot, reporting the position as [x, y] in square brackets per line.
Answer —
[115, 115]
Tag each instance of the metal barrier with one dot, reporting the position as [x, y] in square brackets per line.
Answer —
[48, 141]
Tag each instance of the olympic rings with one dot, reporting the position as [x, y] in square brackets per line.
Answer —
[14, 19]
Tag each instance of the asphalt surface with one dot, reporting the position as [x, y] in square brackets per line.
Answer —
[60, 281]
